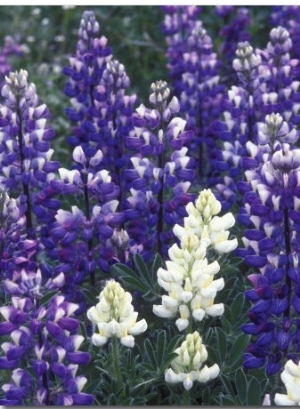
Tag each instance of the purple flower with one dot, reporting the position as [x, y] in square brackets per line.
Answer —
[272, 244]
[156, 133]
[44, 338]
[194, 73]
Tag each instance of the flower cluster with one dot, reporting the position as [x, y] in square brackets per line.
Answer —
[26, 167]
[194, 73]
[189, 276]
[114, 316]
[188, 367]
[159, 188]
[235, 30]
[44, 342]
[271, 245]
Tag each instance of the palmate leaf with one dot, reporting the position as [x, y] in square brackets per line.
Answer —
[142, 278]
[159, 357]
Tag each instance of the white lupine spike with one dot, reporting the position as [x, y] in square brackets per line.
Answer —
[114, 316]
[187, 366]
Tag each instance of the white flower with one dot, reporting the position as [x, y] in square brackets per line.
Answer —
[114, 316]
[291, 379]
[188, 367]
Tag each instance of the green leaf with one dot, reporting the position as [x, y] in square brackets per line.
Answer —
[241, 385]
[157, 263]
[254, 394]
[143, 270]
[228, 385]
[150, 354]
[222, 344]
[237, 349]
[129, 277]
[47, 297]
[228, 401]
[161, 346]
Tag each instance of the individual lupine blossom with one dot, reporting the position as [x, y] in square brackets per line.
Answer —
[160, 164]
[41, 343]
[78, 237]
[188, 367]
[270, 215]
[114, 316]
[291, 379]
[25, 159]
[194, 72]
[288, 17]
[189, 274]
[234, 31]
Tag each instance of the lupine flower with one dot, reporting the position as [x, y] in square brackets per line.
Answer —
[267, 84]
[234, 31]
[189, 276]
[271, 245]
[25, 161]
[288, 17]
[78, 237]
[194, 74]
[44, 338]
[291, 379]
[157, 132]
[114, 315]
[188, 366]
[100, 109]
[16, 250]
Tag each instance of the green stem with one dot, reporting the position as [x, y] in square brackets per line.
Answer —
[186, 398]
[118, 375]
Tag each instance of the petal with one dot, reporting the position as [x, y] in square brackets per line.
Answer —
[98, 340]
[283, 400]
[128, 341]
[138, 327]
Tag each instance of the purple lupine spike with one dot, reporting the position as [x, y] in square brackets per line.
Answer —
[25, 165]
[78, 238]
[17, 252]
[100, 109]
[267, 84]
[271, 246]
[236, 30]
[194, 72]
[43, 337]
[157, 132]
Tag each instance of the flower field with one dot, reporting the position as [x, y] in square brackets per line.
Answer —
[150, 205]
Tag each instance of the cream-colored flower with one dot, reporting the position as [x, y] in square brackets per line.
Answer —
[291, 379]
[188, 367]
[189, 277]
[114, 315]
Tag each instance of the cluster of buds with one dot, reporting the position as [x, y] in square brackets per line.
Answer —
[188, 367]
[203, 221]
[114, 315]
